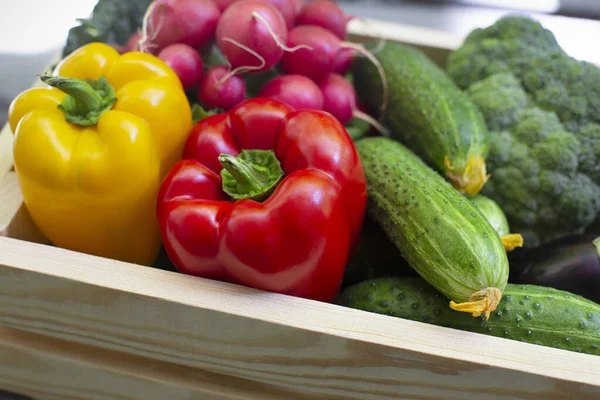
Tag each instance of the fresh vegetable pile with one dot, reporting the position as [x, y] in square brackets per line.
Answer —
[233, 139]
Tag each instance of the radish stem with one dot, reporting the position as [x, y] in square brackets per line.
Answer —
[384, 83]
[371, 121]
[243, 68]
[276, 38]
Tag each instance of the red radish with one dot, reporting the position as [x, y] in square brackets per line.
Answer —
[295, 90]
[315, 62]
[185, 61]
[192, 22]
[339, 99]
[251, 34]
[287, 8]
[298, 4]
[223, 4]
[133, 42]
[219, 89]
[118, 47]
[326, 14]
[343, 60]
[316, 59]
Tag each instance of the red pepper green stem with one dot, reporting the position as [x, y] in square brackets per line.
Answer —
[254, 174]
[86, 99]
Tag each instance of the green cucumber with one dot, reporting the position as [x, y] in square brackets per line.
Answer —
[496, 217]
[427, 112]
[528, 313]
[439, 232]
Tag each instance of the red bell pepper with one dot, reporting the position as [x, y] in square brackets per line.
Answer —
[266, 197]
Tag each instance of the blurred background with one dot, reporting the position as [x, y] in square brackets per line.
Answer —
[32, 31]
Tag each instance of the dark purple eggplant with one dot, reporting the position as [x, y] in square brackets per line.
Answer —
[571, 264]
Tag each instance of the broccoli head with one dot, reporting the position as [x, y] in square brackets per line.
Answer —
[522, 47]
[544, 177]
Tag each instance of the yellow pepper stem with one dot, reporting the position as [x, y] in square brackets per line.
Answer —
[472, 179]
[86, 99]
[483, 302]
[512, 241]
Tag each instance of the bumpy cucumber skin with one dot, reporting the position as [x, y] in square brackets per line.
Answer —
[439, 232]
[426, 110]
[493, 213]
[527, 313]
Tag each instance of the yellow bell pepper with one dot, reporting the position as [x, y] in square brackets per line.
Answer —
[90, 150]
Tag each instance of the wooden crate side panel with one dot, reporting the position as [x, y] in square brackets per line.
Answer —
[10, 199]
[52, 369]
[6, 153]
[435, 44]
[310, 347]
[15, 220]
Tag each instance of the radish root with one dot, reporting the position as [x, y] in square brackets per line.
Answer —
[384, 83]
[371, 121]
[379, 46]
[247, 68]
[244, 68]
[146, 41]
[276, 37]
[381, 41]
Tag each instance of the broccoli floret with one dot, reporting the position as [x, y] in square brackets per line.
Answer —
[534, 124]
[589, 157]
[476, 61]
[524, 48]
[518, 27]
[558, 152]
[568, 87]
[501, 111]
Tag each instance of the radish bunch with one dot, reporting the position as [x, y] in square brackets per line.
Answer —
[303, 41]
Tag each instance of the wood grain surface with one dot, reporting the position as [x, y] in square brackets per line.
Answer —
[52, 369]
[435, 44]
[15, 220]
[6, 147]
[10, 199]
[299, 345]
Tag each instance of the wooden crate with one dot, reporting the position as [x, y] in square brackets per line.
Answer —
[74, 326]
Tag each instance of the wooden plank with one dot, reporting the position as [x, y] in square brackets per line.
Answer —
[50, 369]
[311, 347]
[10, 199]
[6, 146]
[15, 220]
[435, 44]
